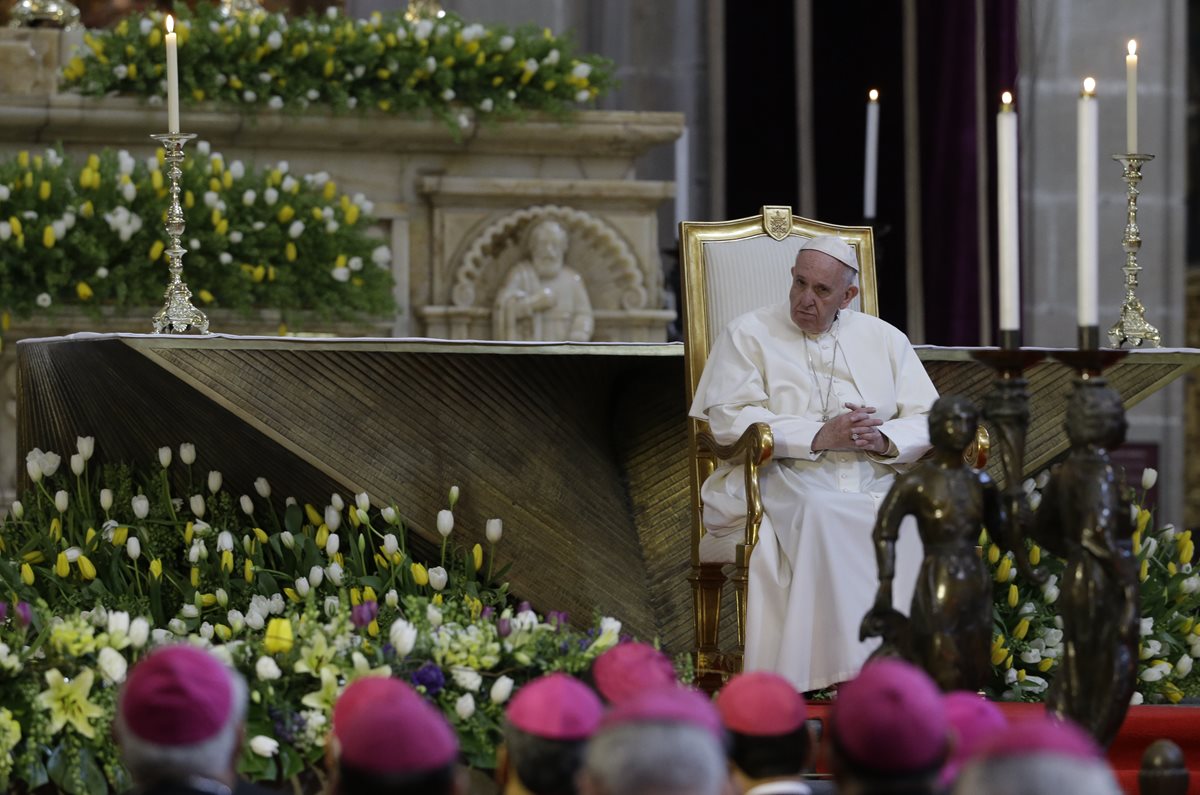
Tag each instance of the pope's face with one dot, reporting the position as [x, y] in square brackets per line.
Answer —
[819, 289]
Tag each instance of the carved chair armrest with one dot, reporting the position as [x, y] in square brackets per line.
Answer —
[752, 450]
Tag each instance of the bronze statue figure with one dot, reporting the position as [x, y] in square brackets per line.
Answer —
[949, 628]
[1085, 519]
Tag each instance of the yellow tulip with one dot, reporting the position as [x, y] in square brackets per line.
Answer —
[290, 252]
[89, 536]
[55, 529]
[44, 190]
[23, 158]
[314, 518]
[227, 180]
[373, 628]
[1144, 571]
[223, 632]
[195, 577]
[329, 191]
[352, 214]
[15, 223]
[227, 561]
[86, 568]
[1003, 569]
[1008, 663]
[156, 250]
[189, 198]
[120, 534]
[206, 296]
[188, 532]
[223, 227]
[1021, 674]
[84, 291]
[420, 575]
[1143, 519]
[261, 535]
[369, 594]
[329, 67]
[1022, 629]
[998, 641]
[1187, 551]
[87, 209]
[1035, 555]
[248, 571]
[1187, 625]
[286, 213]
[1046, 664]
[993, 554]
[291, 594]
[27, 574]
[355, 597]
[1014, 596]
[48, 236]
[381, 561]
[1172, 569]
[62, 566]
[156, 569]
[322, 535]
[1172, 692]
[279, 636]
[208, 599]
[477, 557]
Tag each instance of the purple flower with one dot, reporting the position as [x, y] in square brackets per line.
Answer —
[363, 614]
[557, 619]
[487, 612]
[24, 614]
[3, 612]
[504, 627]
[430, 677]
[524, 607]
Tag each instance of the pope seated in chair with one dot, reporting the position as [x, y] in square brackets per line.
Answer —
[847, 401]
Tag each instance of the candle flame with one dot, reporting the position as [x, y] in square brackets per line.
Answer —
[1006, 98]
[873, 95]
[1133, 46]
[170, 24]
[1089, 85]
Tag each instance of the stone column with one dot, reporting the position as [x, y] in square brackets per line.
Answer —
[1063, 41]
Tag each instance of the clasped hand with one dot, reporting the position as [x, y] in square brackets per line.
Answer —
[856, 430]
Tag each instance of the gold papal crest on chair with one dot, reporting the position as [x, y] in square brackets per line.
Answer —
[728, 268]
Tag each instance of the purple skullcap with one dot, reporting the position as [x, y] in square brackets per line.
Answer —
[890, 719]
[1044, 734]
[177, 696]
[761, 704]
[629, 668]
[667, 704]
[974, 721]
[360, 692]
[556, 707]
[393, 731]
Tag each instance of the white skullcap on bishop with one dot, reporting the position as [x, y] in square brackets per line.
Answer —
[835, 247]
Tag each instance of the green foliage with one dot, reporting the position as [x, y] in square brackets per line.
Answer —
[384, 63]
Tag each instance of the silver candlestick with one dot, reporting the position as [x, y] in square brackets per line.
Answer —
[1132, 329]
[177, 315]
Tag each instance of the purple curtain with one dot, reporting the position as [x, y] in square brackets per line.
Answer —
[949, 152]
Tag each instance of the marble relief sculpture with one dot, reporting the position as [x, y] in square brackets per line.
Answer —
[541, 297]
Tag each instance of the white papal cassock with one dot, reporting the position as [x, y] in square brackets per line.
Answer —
[813, 575]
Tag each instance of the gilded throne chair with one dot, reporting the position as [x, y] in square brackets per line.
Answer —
[728, 268]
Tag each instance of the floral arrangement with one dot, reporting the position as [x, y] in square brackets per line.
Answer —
[89, 234]
[100, 564]
[1028, 637]
[386, 63]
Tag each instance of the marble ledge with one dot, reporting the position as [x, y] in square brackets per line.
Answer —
[71, 118]
[457, 190]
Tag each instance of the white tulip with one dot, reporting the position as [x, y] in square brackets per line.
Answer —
[133, 548]
[50, 462]
[334, 572]
[247, 504]
[236, 620]
[206, 631]
[222, 597]
[1147, 626]
[445, 523]
[187, 453]
[255, 620]
[391, 598]
[118, 623]
[264, 745]
[267, 669]
[287, 539]
[77, 464]
[336, 501]
[494, 530]
[141, 506]
[196, 502]
[203, 530]
[18, 510]
[465, 706]
[112, 665]
[214, 481]
[332, 606]
[315, 576]
[501, 689]
[224, 541]
[332, 544]
[139, 632]
[466, 678]
[86, 445]
[390, 545]
[363, 516]
[164, 457]
[388, 514]
[438, 578]
[433, 616]
[362, 501]
[1149, 478]
[61, 500]
[262, 487]
[34, 468]
[453, 496]
[403, 637]
[189, 611]
[302, 586]
[106, 499]
[1136, 699]
[333, 518]
[1183, 667]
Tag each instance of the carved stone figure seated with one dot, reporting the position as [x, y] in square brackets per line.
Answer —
[542, 298]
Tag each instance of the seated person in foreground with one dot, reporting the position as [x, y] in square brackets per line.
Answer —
[547, 726]
[846, 399]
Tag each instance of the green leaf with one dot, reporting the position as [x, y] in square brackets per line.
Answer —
[293, 519]
[75, 771]
[290, 761]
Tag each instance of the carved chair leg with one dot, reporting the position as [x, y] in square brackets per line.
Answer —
[741, 581]
[707, 582]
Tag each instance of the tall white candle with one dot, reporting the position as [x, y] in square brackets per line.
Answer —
[682, 179]
[870, 173]
[172, 78]
[1131, 141]
[1006, 204]
[1087, 244]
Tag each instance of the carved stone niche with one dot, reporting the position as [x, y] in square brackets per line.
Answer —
[614, 249]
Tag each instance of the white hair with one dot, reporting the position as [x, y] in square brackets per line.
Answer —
[658, 758]
[148, 761]
[1037, 774]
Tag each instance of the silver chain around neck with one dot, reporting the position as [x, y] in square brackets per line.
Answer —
[825, 399]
